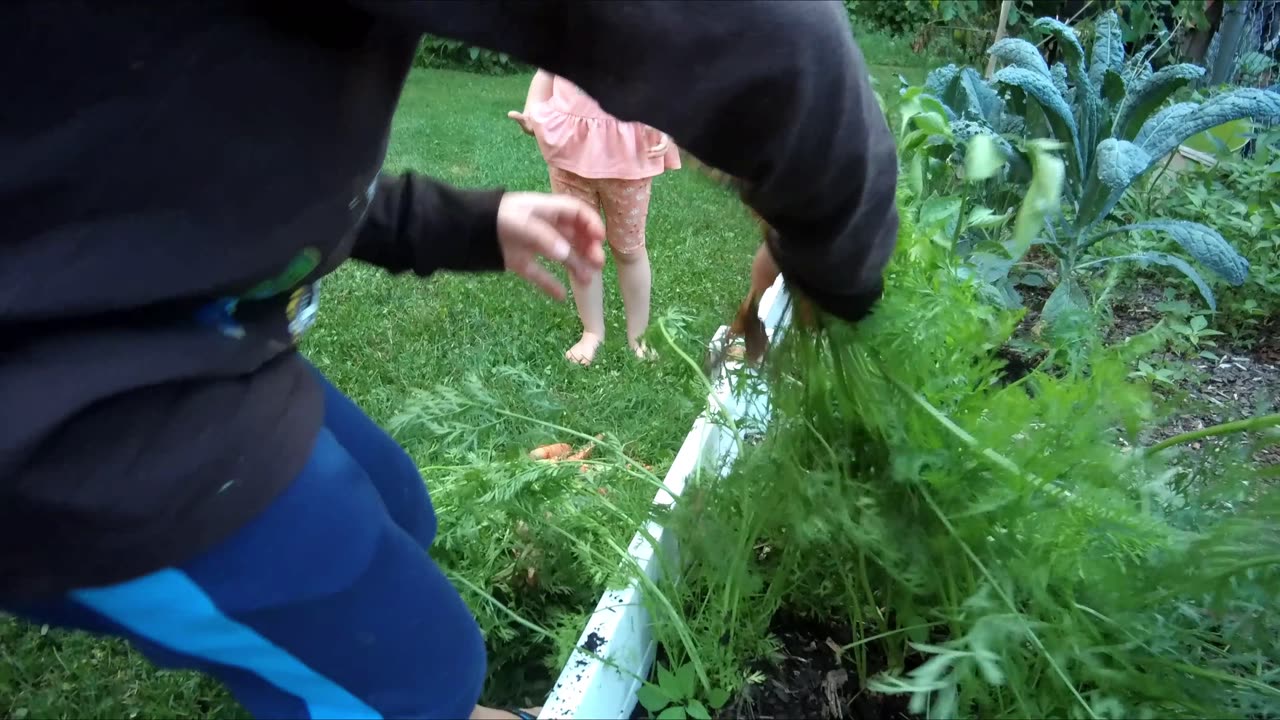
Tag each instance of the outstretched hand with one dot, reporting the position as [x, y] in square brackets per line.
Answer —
[560, 228]
[523, 121]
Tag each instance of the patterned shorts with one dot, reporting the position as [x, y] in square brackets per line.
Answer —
[625, 204]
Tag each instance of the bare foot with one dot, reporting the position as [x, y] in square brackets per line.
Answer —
[584, 351]
[642, 351]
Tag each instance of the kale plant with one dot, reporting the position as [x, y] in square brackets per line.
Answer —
[1105, 114]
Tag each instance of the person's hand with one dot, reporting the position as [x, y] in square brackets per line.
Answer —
[523, 121]
[660, 149]
[560, 228]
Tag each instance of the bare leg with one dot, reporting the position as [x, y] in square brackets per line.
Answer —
[626, 210]
[635, 281]
[589, 297]
[590, 301]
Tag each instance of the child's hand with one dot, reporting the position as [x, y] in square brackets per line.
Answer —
[559, 228]
[661, 148]
[523, 121]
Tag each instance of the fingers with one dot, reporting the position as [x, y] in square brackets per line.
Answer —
[570, 211]
[521, 120]
[580, 261]
[661, 147]
[573, 219]
[587, 236]
[547, 241]
[560, 228]
[541, 278]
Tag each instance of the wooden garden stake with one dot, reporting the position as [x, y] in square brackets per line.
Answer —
[1005, 6]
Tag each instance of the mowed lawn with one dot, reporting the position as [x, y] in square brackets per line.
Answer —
[380, 338]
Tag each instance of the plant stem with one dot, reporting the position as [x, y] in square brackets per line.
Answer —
[706, 383]
[1246, 425]
[888, 634]
[1156, 180]
[1005, 463]
[602, 659]
[1091, 263]
[528, 624]
[1219, 676]
[652, 591]
[1250, 564]
[1001, 28]
[1071, 20]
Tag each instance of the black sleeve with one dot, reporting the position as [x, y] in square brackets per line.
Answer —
[420, 225]
[776, 94]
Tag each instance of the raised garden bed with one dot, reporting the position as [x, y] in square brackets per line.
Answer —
[616, 650]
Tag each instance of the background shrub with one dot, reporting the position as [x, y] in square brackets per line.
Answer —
[437, 52]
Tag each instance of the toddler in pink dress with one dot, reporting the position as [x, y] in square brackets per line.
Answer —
[609, 164]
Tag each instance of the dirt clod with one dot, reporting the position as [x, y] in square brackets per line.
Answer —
[594, 642]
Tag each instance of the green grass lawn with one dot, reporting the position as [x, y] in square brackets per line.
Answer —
[381, 338]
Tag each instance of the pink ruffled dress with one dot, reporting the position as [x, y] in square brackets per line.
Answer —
[575, 134]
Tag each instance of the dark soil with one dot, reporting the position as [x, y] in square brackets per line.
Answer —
[811, 680]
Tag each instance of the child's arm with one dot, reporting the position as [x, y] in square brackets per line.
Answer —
[539, 89]
[411, 213]
[774, 93]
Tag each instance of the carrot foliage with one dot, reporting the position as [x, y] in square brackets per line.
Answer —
[1003, 546]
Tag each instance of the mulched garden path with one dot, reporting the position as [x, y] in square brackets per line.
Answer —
[1239, 382]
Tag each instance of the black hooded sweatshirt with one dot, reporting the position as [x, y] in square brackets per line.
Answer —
[176, 176]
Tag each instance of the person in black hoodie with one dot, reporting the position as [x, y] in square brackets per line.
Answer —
[176, 177]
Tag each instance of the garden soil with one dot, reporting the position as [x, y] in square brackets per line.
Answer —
[811, 679]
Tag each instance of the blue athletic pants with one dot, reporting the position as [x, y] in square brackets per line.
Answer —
[324, 606]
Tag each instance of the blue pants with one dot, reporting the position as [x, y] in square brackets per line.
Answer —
[324, 606]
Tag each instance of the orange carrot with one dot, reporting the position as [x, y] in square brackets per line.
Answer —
[554, 451]
[586, 451]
